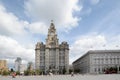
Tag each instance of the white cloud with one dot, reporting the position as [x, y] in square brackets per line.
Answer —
[10, 49]
[92, 42]
[94, 2]
[9, 23]
[85, 43]
[61, 11]
[38, 27]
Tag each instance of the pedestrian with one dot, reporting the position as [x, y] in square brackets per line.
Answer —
[72, 74]
[13, 75]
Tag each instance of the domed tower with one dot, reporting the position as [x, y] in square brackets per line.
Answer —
[52, 49]
[52, 40]
[52, 56]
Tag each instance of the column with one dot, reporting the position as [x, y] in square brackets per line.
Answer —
[67, 60]
[57, 59]
[37, 58]
[47, 51]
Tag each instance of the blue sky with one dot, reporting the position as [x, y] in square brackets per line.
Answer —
[84, 24]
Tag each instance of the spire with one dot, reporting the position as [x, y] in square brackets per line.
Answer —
[52, 25]
[51, 21]
[52, 28]
[52, 36]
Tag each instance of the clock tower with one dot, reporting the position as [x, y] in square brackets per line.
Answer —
[52, 40]
[52, 56]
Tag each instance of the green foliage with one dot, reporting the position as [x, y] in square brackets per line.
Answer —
[29, 72]
[111, 70]
[37, 72]
[17, 73]
[5, 73]
[29, 65]
[64, 71]
[70, 70]
[12, 70]
[26, 72]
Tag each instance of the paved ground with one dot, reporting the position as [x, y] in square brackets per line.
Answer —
[64, 77]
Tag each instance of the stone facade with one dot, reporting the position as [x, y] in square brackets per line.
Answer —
[3, 65]
[98, 61]
[52, 55]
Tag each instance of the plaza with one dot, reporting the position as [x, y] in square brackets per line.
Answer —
[65, 77]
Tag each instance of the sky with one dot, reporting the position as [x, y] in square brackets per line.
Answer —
[84, 24]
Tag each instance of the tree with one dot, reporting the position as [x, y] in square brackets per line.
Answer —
[30, 65]
[77, 70]
[70, 70]
[37, 72]
[111, 70]
[29, 70]
[17, 73]
[64, 71]
[12, 70]
[5, 73]
[26, 72]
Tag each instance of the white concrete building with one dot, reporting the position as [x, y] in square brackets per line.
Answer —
[98, 61]
[52, 55]
[23, 67]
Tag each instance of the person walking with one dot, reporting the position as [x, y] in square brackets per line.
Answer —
[72, 74]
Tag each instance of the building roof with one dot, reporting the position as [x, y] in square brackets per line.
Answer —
[103, 51]
[98, 51]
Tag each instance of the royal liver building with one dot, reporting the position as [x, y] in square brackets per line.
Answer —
[52, 56]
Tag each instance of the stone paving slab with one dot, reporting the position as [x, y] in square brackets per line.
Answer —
[65, 77]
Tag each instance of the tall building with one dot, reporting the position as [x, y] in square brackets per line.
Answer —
[98, 61]
[3, 65]
[18, 63]
[52, 55]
